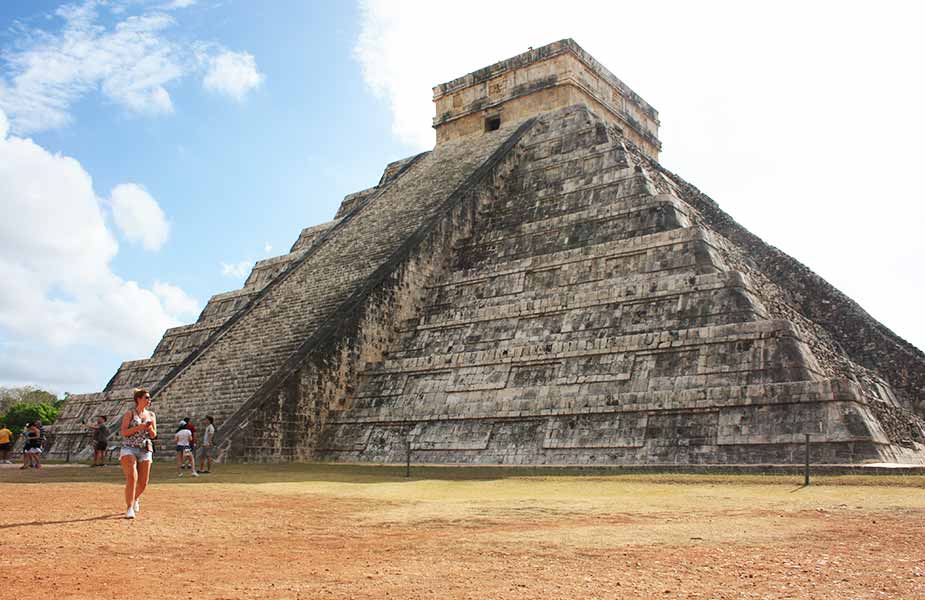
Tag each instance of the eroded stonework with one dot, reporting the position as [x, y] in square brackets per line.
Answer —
[540, 293]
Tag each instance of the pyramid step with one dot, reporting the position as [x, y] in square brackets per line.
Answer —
[690, 302]
[536, 210]
[735, 354]
[553, 290]
[579, 325]
[187, 338]
[146, 372]
[599, 156]
[592, 169]
[605, 215]
[615, 183]
[680, 248]
[547, 401]
[559, 236]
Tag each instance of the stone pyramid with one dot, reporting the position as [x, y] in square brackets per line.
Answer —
[537, 289]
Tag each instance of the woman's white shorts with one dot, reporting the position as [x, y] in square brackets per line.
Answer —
[139, 454]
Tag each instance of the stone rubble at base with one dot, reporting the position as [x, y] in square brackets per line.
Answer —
[540, 292]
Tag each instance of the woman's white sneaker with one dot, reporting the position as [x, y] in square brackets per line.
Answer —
[130, 514]
[136, 507]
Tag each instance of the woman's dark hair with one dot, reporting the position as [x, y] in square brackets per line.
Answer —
[210, 420]
[139, 393]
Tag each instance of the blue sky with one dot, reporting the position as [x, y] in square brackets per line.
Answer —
[150, 148]
[230, 175]
[236, 179]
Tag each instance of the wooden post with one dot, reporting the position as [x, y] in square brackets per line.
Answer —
[806, 466]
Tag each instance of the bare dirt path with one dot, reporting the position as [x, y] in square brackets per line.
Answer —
[341, 532]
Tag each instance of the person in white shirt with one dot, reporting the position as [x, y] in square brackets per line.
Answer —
[205, 449]
[184, 437]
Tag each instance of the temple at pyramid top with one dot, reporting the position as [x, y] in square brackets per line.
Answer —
[539, 81]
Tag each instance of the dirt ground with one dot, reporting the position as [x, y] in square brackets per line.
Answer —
[320, 531]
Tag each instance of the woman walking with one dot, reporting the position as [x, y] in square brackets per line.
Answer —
[31, 447]
[139, 427]
[184, 440]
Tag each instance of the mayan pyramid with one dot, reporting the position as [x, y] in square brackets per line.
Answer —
[537, 289]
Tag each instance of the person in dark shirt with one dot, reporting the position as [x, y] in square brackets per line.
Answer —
[32, 447]
[100, 441]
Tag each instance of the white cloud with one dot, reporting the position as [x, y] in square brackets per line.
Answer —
[806, 133]
[232, 74]
[392, 36]
[175, 300]
[175, 4]
[131, 64]
[139, 216]
[54, 369]
[238, 270]
[267, 248]
[57, 288]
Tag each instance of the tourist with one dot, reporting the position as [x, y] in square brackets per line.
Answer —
[100, 441]
[37, 435]
[139, 428]
[6, 444]
[205, 451]
[183, 438]
[32, 446]
[183, 424]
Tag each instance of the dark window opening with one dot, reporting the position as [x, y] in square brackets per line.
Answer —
[492, 123]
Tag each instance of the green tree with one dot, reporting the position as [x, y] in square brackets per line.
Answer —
[28, 394]
[23, 412]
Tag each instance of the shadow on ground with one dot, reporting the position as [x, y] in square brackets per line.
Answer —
[41, 523]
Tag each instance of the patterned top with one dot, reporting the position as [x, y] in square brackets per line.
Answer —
[139, 439]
